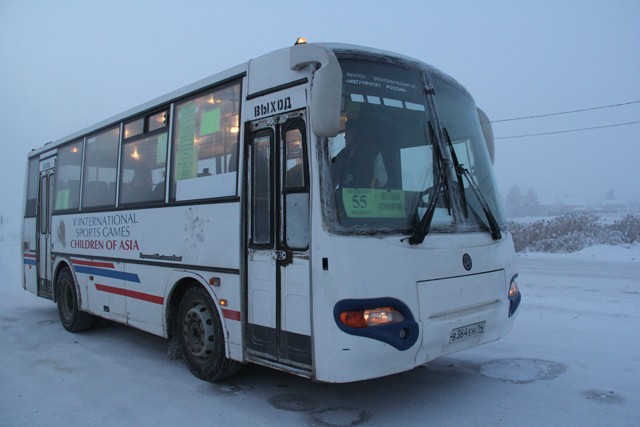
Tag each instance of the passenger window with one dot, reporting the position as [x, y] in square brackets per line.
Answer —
[143, 170]
[32, 187]
[205, 145]
[101, 160]
[157, 121]
[133, 128]
[67, 181]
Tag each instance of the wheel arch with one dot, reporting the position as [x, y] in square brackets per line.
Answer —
[59, 265]
[178, 290]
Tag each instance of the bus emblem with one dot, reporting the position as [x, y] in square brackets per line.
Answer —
[466, 262]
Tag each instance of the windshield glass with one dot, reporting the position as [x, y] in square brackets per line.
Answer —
[458, 116]
[382, 166]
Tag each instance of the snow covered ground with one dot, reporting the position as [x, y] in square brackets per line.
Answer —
[572, 359]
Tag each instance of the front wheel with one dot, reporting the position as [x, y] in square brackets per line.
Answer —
[71, 317]
[201, 337]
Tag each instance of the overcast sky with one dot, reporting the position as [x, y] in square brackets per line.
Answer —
[65, 65]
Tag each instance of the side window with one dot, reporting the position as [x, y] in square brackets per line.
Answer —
[101, 161]
[43, 214]
[33, 176]
[205, 145]
[143, 170]
[261, 184]
[295, 188]
[67, 182]
[294, 160]
[144, 159]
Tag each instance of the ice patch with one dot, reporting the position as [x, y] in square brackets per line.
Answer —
[293, 402]
[522, 371]
[338, 417]
[603, 396]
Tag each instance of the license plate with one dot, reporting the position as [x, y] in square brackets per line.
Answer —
[466, 332]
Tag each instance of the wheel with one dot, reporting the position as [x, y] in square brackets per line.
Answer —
[201, 337]
[71, 317]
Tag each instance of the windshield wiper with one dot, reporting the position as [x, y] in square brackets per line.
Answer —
[456, 165]
[425, 223]
[462, 171]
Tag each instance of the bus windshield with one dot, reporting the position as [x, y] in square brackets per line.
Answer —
[385, 164]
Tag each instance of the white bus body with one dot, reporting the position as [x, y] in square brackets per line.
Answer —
[231, 218]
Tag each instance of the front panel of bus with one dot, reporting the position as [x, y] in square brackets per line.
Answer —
[411, 259]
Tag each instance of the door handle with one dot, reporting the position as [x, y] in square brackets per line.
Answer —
[284, 257]
[279, 255]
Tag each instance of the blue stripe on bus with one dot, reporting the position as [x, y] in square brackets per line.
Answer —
[103, 272]
[30, 261]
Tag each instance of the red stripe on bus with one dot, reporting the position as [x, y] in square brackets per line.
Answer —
[93, 263]
[231, 314]
[30, 256]
[131, 294]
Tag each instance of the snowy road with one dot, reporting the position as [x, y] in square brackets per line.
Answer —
[572, 359]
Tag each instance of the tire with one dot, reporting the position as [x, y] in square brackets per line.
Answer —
[71, 317]
[201, 337]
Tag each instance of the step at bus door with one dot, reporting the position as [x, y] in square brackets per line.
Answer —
[278, 302]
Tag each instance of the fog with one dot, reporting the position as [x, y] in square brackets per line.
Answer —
[66, 65]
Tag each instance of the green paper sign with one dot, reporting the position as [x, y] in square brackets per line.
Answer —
[62, 199]
[161, 150]
[186, 156]
[373, 203]
[210, 122]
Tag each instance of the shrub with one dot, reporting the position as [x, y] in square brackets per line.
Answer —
[573, 232]
[628, 227]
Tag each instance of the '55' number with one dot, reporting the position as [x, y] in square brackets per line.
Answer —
[359, 201]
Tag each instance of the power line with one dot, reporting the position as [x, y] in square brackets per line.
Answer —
[565, 112]
[567, 131]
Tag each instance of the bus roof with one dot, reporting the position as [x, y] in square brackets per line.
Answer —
[255, 84]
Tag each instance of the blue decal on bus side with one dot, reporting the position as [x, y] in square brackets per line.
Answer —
[129, 277]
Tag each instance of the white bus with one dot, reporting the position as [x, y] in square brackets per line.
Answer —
[327, 210]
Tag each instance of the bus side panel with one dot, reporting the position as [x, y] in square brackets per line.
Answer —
[127, 262]
[194, 235]
[29, 262]
[99, 283]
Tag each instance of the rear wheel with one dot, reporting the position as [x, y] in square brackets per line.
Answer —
[202, 338]
[71, 317]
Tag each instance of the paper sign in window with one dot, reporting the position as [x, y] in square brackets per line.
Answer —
[62, 199]
[210, 122]
[186, 156]
[161, 149]
[373, 203]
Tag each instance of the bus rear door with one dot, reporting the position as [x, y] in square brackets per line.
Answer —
[43, 225]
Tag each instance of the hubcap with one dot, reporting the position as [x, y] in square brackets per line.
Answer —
[197, 331]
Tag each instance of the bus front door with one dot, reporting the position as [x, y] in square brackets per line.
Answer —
[279, 320]
[43, 223]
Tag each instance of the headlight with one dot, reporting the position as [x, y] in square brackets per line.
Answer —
[514, 296]
[371, 317]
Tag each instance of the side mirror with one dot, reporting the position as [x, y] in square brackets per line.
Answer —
[487, 130]
[326, 87]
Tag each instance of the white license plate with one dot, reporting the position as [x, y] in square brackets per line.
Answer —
[466, 332]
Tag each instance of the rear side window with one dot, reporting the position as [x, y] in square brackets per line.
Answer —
[32, 188]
